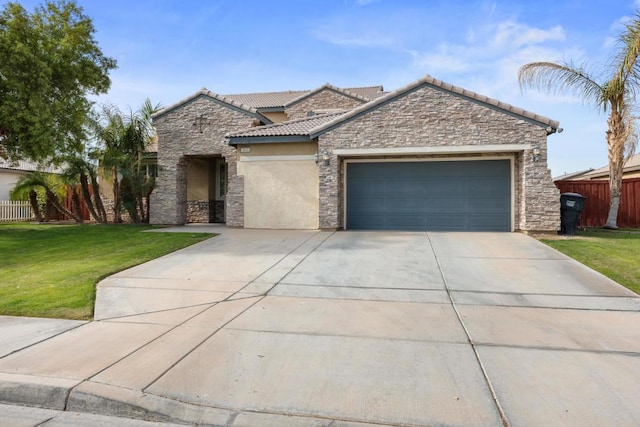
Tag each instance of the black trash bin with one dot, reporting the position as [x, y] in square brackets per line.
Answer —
[571, 206]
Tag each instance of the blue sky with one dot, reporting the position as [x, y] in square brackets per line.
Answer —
[167, 50]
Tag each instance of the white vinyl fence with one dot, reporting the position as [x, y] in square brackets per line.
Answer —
[15, 211]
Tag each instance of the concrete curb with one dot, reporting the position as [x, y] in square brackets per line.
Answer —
[41, 392]
[116, 401]
[105, 399]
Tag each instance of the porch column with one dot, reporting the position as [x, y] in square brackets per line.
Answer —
[169, 198]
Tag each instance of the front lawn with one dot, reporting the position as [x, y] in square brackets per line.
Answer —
[614, 254]
[52, 270]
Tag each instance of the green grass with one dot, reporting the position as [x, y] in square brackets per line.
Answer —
[614, 254]
[52, 270]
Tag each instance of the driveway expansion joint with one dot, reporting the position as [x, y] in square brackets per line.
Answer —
[494, 395]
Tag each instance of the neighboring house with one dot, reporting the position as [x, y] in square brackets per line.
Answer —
[631, 169]
[11, 172]
[428, 156]
[572, 175]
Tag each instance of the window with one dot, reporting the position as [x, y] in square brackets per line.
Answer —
[221, 179]
[151, 170]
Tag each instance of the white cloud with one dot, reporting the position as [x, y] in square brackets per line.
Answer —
[441, 62]
[360, 40]
[516, 34]
[488, 59]
[342, 33]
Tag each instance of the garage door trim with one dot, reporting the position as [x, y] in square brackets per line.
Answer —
[346, 161]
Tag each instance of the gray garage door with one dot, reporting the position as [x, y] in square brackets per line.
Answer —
[456, 195]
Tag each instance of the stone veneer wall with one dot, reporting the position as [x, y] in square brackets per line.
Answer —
[197, 211]
[325, 99]
[429, 117]
[179, 137]
[205, 211]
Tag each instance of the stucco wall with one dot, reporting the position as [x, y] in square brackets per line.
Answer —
[429, 117]
[280, 186]
[276, 116]
[178, 137]
[325, 99]
[8, 179]
[198, 179]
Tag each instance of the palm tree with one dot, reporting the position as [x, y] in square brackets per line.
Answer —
[615, 94]
[25, 189]
[124, 139]
[53, 189]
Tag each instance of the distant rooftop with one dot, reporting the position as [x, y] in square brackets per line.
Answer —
[279, 99]
[632, 164]
[26, 166]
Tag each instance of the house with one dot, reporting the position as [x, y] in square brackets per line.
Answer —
[428, 156]
[631, 169]
[11, 172]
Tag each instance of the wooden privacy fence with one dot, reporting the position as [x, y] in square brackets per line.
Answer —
[15, 211]
[66, 202]
[596, 207]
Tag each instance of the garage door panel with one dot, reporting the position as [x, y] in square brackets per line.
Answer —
[397, 204]
[400, 187]
[455, 195]
[368, 222]
[367, 205]
[366, 188]
[487, 185]
[447, 222]
[445, 186]
[445, 205]
[402, 222]
[489, 205]
[486, 222]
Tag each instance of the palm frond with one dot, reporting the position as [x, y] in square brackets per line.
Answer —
[626, 62]
[24, 185]
[35, 180]
[558, 78]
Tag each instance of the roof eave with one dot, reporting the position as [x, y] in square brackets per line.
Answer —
[234, 141]
[279, 109]
[204, 93]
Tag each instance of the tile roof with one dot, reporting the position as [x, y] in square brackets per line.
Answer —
[630, 165]
[371, 92]
[329, 87]
[573, 175]
[207, 93]
[266, 99]
[251, 102]
[298, 127]
[26, 166]
[430, 81]
[280, 99]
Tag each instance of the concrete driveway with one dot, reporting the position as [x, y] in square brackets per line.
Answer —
[316, 328]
